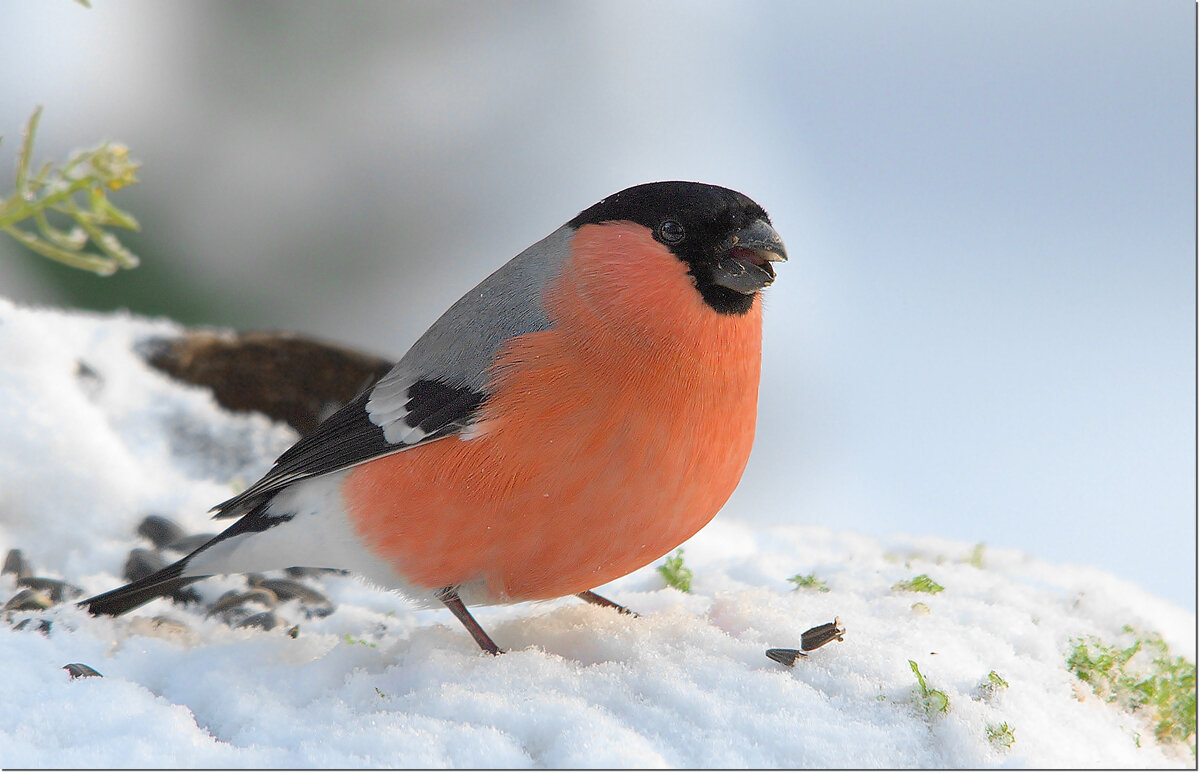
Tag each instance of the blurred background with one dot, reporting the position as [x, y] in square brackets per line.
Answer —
[986, 331]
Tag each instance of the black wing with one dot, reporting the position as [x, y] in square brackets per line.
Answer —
[349, 437]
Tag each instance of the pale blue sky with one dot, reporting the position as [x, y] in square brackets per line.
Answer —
[987, 328]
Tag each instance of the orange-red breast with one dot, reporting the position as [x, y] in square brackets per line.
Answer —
[581, 412]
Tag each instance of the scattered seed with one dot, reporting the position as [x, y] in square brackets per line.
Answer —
[186, 595]
[169, 626]
[820, 635]
[43, 626]
[89, 379]
[314, 603]
[787, 657]
[160, 531]
[77, 670]
[57, 590]
[232, 600]
[15, 563]
[160, 627]
[263, 620]
[814, 638]
[142, 563]
[226, 595]
[28, 600]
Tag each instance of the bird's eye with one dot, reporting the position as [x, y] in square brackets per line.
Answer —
[671, 232]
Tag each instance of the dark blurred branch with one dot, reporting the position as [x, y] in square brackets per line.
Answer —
[285, 376]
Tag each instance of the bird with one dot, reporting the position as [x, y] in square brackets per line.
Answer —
[581, 412]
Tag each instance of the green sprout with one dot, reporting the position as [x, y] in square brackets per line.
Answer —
[993, 684]
[1001, 735]
[976, 557]
[675, 573]
[922, 583]
[933, 701]
[77, 192]
[810, 582]
[1141, 677]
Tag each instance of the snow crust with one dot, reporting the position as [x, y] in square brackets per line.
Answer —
[94, 440]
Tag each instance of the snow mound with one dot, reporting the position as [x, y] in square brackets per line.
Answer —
[94, 441]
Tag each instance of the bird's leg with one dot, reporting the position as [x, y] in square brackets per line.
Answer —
[449, 597]
[592, 597]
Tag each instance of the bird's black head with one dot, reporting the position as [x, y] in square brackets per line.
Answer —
[725, 239]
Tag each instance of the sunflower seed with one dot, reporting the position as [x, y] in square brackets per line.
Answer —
[263, 620]
[15, 563]
[28, 600]
[57, 590]
[142, 563]
[77, 670]
[314, 603]
[785, 656]
[820, 635]
[43, 625]
[161, 531]
[232, 600]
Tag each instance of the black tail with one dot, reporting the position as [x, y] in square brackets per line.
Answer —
[165, 582]
[162, 583]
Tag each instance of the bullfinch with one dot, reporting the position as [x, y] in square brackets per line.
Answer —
[578, 414]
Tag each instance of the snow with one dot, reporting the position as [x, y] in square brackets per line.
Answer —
[87, 453]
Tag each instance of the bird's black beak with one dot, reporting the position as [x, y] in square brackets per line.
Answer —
[745, 258]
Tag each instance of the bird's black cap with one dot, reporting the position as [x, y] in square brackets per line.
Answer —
[713, 230]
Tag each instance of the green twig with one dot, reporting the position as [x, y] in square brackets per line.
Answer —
[92, 173]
